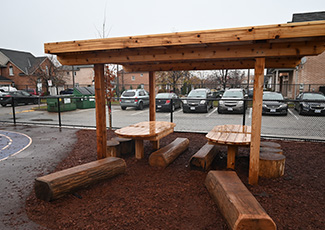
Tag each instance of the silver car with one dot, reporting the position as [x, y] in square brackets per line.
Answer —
[232, 101]
[137, 98]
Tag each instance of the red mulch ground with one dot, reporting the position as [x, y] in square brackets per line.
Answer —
[176, 198]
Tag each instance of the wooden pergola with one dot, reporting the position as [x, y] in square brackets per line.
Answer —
[258, 47]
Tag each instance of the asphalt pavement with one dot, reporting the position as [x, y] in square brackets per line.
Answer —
[25, 162]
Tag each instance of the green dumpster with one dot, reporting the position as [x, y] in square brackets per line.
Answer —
[67, 103]
[86, 99]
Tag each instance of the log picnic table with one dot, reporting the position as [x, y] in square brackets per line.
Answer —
[231, 135]
[147, 130]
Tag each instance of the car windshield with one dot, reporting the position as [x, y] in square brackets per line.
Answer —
[197, 93]
[272, 96]
[128, 94]
[163, 95]
[233, 94]
[313, 96]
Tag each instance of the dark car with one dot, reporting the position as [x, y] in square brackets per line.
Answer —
[20, 97]
[66, 91]
[198, 100]
[164, 100]
[273, 103]
[232, 101]
[310, 103]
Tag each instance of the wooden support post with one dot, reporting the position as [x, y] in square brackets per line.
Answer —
[139, 151]
[256, 121]
[101, 131]
[231, 154]
[152, 96]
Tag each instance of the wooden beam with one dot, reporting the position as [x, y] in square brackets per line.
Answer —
[287, 62]
[152, 96]
[188, 54]
[101, 131]
[256, 121]
[279, 31]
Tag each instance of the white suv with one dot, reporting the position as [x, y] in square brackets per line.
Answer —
[137, 98]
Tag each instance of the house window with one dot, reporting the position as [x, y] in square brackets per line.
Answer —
[133, 78]
[141, 75]
[68, 73]
[47, 70]
[11, 71]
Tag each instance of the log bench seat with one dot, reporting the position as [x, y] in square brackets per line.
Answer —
[166, 155]
[238, 206]
[127, 145]
[58, 184]
[203, 158]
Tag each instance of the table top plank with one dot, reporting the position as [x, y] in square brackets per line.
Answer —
[230, 135]
[147, 129]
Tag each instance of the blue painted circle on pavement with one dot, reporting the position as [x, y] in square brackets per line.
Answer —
[12, 143]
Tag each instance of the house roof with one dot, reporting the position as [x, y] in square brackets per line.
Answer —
[282, 46]
[25, 61]
[312, 16]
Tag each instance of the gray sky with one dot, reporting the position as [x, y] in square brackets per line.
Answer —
[27, 25]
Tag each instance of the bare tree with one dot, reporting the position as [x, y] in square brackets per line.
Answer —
[172, 78]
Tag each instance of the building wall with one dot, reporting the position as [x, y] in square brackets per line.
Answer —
[84, 76]
[313, 70]
[134, 79]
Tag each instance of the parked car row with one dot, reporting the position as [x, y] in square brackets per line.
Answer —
[232, 101]
[20, 97]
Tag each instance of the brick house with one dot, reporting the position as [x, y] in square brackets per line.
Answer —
[309, 75]
[19, 69]
[134, 80]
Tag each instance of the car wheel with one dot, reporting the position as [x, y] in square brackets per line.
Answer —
[4, 105]
[173, 108]
[300, 110]
[140, 107]
[123, 107]
[35, 101]
[219, 111]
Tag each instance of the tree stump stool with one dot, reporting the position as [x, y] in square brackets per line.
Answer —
[271, 150]
[271, 165]
[113, 148]
[127, 145]
[270, 144]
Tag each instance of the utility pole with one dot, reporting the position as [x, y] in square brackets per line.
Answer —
[73, 83]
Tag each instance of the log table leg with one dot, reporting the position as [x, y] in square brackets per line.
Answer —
[139, 151]
[155, 144]
[232, 152]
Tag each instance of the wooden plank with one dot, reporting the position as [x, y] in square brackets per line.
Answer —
[276, 32]
[189, 54]
[58, 184]
[238, 206]
[152, 96]
[101, 131]
[256, 121]
[286, 62]
[231, 156]
[139, 151]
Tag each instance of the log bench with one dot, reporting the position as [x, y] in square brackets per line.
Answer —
[204, 157]
[166, 155]
[58, 184]
[271, 165]
[238, 206]
[113, 148]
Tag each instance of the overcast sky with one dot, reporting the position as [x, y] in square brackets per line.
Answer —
[27, 25]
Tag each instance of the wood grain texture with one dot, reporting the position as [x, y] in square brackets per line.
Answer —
[127, 145]
[58, 184]
[271, 165]
[267, 32]
[256, 121]
[113, 148]
[238, 206]
[270, 144]
[204, 157]
[271, 150]
[152, 96]
[166, 155]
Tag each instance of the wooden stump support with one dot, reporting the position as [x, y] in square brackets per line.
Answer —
[238, 206]
[58, 184]
[204, 157]
[271, 165]
[113, 148]
[127, 145]
[166, 155]
[271, 150]
[270, 144]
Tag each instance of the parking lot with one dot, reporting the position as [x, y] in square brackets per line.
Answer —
[291, 126]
